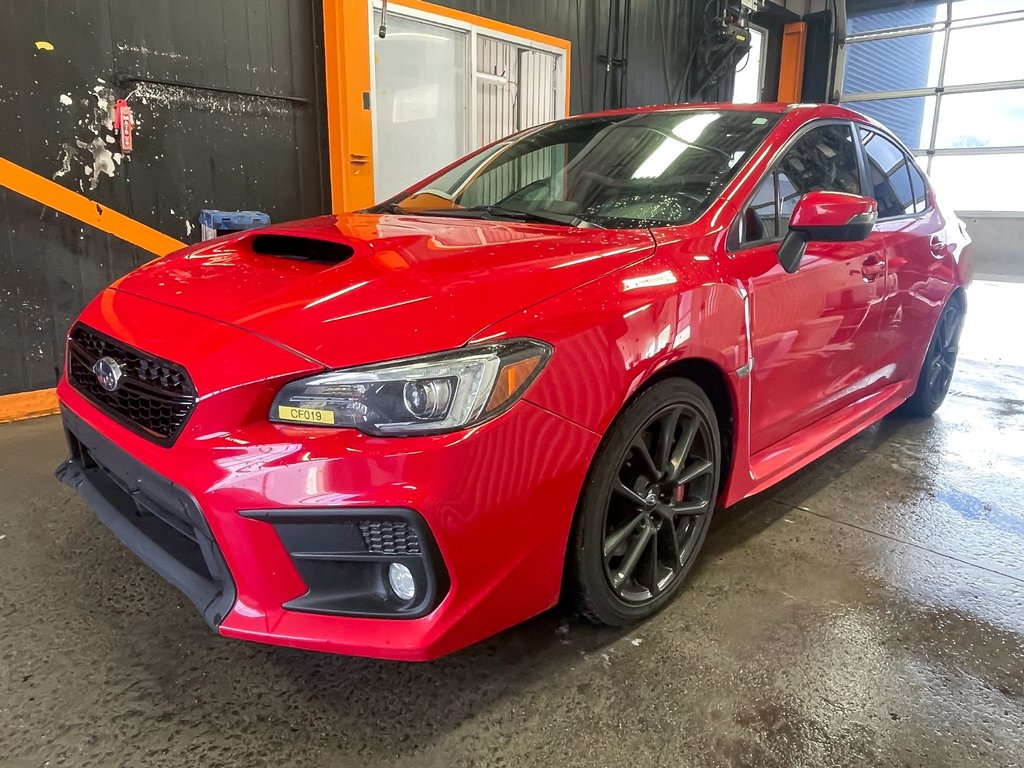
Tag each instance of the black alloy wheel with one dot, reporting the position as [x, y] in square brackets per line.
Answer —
[939, 361]
[647, 504]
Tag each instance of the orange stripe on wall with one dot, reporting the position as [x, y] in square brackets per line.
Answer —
[42, 402]
[53, 195]
[26, 405]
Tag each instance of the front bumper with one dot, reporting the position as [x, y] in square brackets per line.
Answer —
[494, 505]
[157, 520]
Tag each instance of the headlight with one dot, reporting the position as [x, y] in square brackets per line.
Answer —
[421, 395]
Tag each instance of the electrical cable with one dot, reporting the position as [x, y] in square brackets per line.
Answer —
[833, 49]
[663, 28]
[707, 24]
[608, 56]
[624, 57]
[579, 36]
[714, 74]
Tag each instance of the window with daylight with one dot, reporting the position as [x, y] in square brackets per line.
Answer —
[948, 80]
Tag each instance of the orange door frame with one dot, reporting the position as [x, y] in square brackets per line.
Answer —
[791, 64]
[347, 80]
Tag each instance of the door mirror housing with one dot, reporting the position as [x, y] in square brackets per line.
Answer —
[826, 217]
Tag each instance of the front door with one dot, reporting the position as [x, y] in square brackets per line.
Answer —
[814, 333]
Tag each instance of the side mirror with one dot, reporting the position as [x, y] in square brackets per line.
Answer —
[827, 217]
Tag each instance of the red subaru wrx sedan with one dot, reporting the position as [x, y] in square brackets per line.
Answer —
[396, 432]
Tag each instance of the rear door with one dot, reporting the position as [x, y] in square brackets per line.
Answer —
[815, 332]
[917, 277]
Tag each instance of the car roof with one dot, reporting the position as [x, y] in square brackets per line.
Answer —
[805, 110]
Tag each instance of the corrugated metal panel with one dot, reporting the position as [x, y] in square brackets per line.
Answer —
[516, 91]
[893, 64]
[515, 88]
[496, 100]
[860, 22]
[536, 87]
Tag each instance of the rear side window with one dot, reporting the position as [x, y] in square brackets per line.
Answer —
[889, 178]
[823, 159]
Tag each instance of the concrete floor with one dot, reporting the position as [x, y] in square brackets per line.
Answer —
[869, 611]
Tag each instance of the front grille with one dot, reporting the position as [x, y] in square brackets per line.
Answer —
[389, 537]
[154, 398]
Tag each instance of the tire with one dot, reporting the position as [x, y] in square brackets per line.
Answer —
[639, 492]
[939, 362]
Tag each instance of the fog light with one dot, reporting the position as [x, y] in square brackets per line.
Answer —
[402, 582]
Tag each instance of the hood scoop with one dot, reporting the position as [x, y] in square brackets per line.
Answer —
[301, 248]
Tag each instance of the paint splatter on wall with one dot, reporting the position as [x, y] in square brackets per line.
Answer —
[95, 129]
[102, 160]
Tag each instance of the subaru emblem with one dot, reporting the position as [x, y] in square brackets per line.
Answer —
[108, 373]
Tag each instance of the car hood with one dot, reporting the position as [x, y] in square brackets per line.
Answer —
[361, 288]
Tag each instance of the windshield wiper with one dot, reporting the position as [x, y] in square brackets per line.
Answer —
[501, 212]
[388, 208]
[495, 211]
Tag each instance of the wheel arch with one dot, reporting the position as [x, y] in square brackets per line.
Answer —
[713, 380]
[715, 383]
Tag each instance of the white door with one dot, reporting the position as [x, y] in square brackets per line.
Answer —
[421, 79]
[444, 87]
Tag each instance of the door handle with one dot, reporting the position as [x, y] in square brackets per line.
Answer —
[937, 246]
[872, 268]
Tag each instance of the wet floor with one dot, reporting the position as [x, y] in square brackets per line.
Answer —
[868, 611]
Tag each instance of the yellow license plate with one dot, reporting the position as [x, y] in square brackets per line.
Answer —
[305, 415]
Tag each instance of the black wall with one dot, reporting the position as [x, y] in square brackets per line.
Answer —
[193, 148]
[817, 57]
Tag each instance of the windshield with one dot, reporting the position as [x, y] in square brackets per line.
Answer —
[620, 171]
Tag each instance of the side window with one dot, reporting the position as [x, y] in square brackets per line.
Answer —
[823, 159]
[920, 188]
[788, 198]
[760, 220]
[888, 175]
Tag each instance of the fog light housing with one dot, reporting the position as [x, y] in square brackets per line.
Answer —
[379, 562]
[402, 582]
